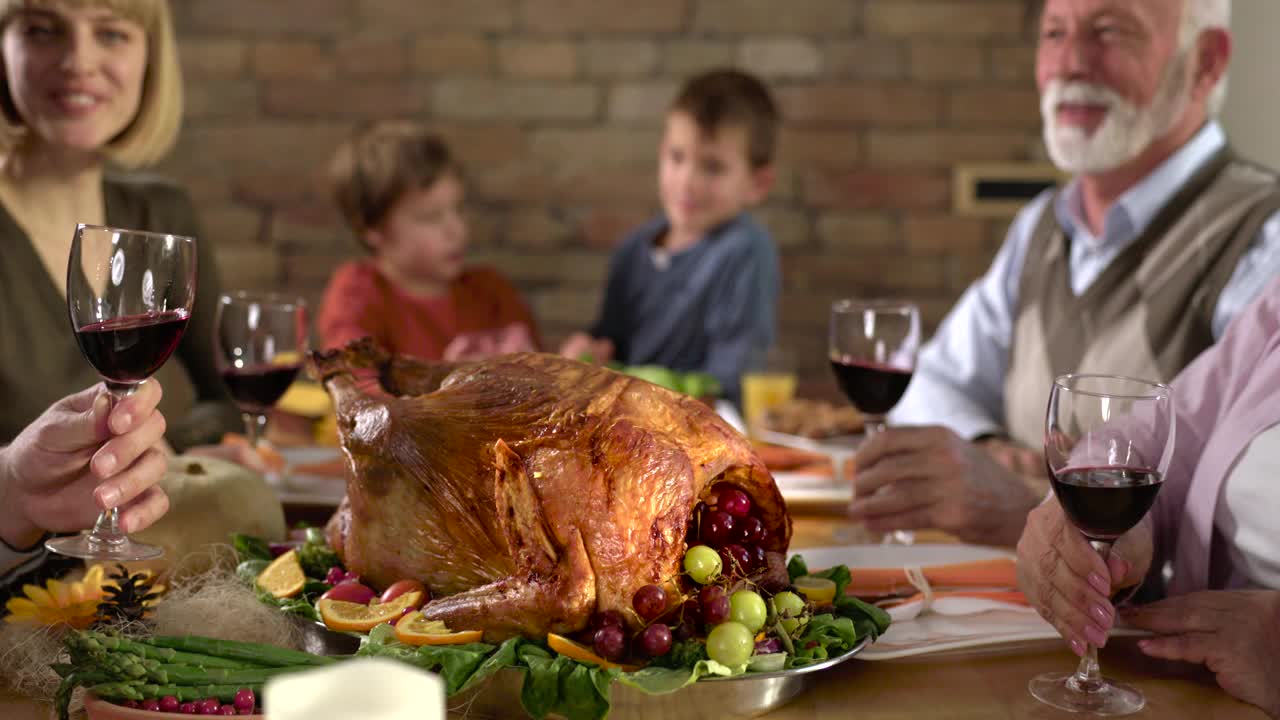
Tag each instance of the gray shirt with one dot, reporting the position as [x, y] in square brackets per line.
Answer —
[711, 307]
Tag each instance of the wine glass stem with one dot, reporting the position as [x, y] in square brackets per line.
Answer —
[874, 425]
[1088, 677]
[255, 427]
[106, 529]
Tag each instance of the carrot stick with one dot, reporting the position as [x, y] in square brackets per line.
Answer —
[878, 582]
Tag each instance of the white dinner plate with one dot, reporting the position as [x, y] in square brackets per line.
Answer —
[1003, 629]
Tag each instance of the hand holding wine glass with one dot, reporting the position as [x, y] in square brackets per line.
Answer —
[1108, 443]
[79, 455]
[260, 342]
[129, 295]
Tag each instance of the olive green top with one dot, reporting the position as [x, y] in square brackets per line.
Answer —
[39, 360]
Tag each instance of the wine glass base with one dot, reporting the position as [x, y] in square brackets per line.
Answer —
[1058, 690]
[83, 546]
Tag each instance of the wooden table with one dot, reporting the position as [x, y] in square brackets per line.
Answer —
[989, 687]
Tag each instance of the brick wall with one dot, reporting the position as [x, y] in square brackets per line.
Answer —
[555, 108]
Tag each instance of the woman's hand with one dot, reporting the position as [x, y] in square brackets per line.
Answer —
[1234, 634]
[77, 459]
[1067, 582]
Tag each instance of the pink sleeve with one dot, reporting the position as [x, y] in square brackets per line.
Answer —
[1202, 392]
[352, 307]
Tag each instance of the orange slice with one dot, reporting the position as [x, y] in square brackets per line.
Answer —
[565, 646]
[413, 629]
[354, 617]
[283, 577]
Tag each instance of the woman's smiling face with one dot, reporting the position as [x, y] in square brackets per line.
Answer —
[75, 73]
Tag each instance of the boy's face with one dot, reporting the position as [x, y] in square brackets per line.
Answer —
[424, 236]
[705, 179]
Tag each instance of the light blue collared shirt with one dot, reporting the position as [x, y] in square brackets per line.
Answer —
[959, 378]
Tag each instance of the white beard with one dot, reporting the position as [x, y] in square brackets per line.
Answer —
[1126, 130]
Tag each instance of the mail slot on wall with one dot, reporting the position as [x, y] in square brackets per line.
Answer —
[1000, 190]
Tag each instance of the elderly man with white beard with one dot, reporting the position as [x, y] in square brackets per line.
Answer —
[1133, 268]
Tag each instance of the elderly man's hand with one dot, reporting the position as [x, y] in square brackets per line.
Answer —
[77, 458]
[1017, 458]
[1066, 580]
[1234, 634]
[928, 477]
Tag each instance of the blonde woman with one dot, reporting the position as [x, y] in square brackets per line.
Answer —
[90, 89]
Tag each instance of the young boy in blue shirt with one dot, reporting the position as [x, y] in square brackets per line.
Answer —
[696, 288]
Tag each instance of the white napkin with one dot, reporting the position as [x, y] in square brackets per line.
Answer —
[366, 688]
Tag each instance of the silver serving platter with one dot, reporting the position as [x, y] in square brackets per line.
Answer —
[752, 695]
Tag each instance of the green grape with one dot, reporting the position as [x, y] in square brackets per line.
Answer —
[788, 604]
[730, 644]
[702, 563]
[748, 608]
[789, 607]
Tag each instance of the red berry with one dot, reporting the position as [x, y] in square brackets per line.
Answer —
[610, 642]
[649, 601]
[134, 704]
[607, 618]
[210, 706]
[748, 531]
[227, 710]
[169, 704]
[715, 604]
[245, 699]
[735, 502]
[188, 708]
[736, 560]
[717, 531]
[152, 705]
[655, 641]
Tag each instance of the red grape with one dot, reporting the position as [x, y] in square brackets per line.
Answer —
[748, 531]
[715, 604]
[736, 559]
[735, 502]
[609, 642]
[607, 618]
[717, 529]
[649, 601]
[169, 704]
[655, 641]
[245, 699]
[690, 611]
[682, 632]
[758, 557]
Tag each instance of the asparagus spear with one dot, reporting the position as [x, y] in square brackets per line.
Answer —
[244, 651]
[95, 643]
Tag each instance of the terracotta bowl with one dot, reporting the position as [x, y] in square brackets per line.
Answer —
[99, 709]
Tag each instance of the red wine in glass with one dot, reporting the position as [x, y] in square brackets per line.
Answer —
[1106, 502]
[1108, 442]
[257, 388]
[872, 387]
[261, 337]
[129, 349]
[129, 296]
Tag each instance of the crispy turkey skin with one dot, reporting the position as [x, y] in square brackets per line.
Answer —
[527, 491]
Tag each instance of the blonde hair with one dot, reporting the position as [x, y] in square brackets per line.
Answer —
[154, 129]
[381, 162]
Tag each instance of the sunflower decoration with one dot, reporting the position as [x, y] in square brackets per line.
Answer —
[74, 603]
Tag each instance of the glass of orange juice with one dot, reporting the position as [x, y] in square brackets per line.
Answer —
[768, 384]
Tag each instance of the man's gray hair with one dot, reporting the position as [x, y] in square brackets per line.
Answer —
[1198, 16]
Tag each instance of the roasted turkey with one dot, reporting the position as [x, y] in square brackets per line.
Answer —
[528, 491]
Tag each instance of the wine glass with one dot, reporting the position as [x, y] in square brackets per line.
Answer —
[872, 348]
[129, 295]
[1108, 442]
[260, 341]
